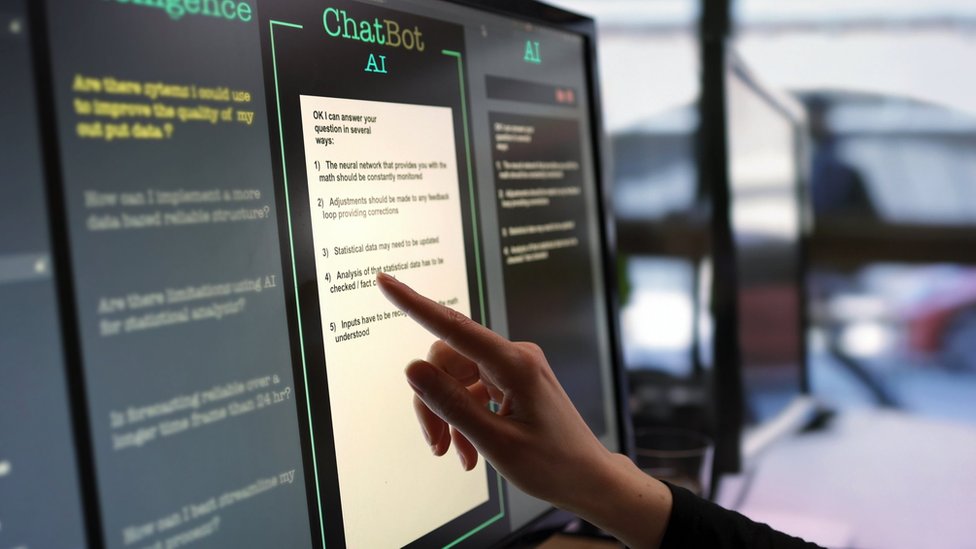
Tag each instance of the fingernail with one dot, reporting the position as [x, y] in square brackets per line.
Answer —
[420, 375]
[383, 282]
[387, 279]
[464, 462]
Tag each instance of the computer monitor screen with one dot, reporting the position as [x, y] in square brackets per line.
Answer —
[228, 177]
[454, 148]
[766, 217]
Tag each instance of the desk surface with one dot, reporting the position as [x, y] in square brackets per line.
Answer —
[894, 480]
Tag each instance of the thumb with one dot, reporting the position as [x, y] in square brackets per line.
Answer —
[451, 401]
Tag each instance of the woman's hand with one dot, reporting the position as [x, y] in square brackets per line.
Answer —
[537, 440]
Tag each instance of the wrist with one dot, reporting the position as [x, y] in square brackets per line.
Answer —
[626, 502]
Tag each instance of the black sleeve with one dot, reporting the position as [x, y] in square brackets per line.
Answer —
[696, 522]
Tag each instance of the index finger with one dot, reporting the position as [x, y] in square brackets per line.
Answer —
[464, 335]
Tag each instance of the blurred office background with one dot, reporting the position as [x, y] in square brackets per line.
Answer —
[890, 101]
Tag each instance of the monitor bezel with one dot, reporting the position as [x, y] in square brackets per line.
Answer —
[755, 438]
[794, 113]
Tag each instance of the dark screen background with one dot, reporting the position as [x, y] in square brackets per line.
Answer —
[549, 300]
[138, 486]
